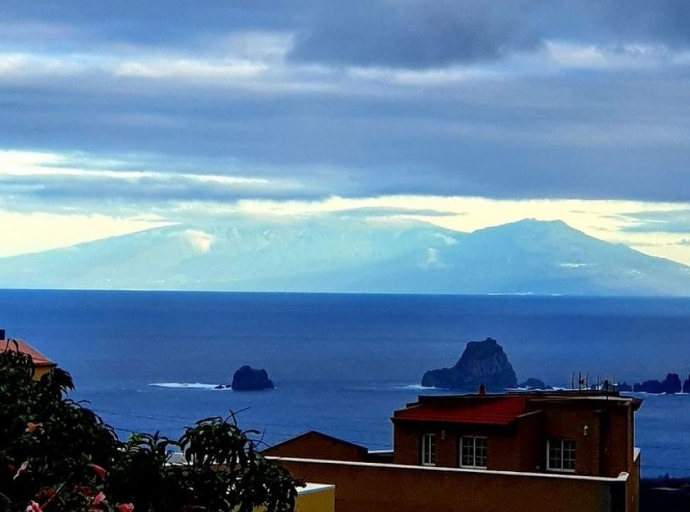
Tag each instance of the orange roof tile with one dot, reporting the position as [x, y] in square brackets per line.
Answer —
[491, 411]
[38, 358]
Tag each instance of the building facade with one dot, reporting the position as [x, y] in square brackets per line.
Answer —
[42, 364]
[524, 451]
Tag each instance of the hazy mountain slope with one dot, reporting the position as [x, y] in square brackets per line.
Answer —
[546, 258]
[237, 255]
[352, 254]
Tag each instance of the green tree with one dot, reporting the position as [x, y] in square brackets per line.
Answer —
[57, 455]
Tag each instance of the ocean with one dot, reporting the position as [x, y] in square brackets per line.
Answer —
[150, 361]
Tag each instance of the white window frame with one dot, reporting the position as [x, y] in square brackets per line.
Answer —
[563, 448]
[428, 449]
[472, 442]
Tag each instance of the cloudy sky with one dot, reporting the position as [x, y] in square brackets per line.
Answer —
[117, 116]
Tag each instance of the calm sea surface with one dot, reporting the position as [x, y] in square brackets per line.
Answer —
[342, 363]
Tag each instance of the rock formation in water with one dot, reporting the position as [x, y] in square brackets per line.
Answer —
[670, 385]
[250, 379]
[482, 362]
[686, 385]
[533, 383]
[648, 386]
[624, 386]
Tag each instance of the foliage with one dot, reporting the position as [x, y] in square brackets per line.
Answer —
[57, 455]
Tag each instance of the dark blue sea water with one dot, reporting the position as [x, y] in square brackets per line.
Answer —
[342, 363]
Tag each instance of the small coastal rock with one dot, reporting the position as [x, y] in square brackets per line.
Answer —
[648, 386]
[624, 386]
[482, 362]
[251, 379]
[686, 385]
[533, 383]
[672, 384]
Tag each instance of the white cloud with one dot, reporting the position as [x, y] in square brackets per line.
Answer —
[432, 260]
[200, 241]
[27, 164]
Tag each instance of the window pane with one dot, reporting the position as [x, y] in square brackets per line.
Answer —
[429, 449]
[561, 454]
[473, 451]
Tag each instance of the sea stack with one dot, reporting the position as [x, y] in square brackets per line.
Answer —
[482, 362]
[251, 379]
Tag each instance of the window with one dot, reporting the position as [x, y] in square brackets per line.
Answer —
[429, 450]
[561, 455]
[473, 452]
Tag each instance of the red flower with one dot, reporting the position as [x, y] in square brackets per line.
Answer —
[98, 470]
[125, 507]
[33, 507]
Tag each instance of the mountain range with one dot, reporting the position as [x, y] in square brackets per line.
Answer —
[352, 254]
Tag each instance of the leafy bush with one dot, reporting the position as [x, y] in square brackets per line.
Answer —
[57, 455]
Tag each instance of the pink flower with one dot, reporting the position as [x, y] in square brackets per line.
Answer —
[125, 507]
[21, 469]
[33, 507]
[100, 497]
[33, 427]
[98, 470]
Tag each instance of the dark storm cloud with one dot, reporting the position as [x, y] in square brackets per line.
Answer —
[149, 189]
[606, 137]
[666, 21]
[525, 133]
[388, 33]
[421, 34]
[416, 33]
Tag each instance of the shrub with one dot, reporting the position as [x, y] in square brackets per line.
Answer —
[58, 455]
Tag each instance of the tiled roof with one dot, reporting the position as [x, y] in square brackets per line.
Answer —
[38, 358]
[485, 411]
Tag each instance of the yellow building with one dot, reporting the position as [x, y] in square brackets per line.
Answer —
[315, 498]
[42, 364]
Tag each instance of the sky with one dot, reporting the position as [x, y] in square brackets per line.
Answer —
[121, 116]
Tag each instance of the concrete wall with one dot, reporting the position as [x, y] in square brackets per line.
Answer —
[362, 487]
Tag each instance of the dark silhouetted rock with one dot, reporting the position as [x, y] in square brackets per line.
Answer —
[482, 362]
[624, 386]
[250, 379]
[669, 386]
[649, 386]
[686, 385]
[533, 383]
[672, 384]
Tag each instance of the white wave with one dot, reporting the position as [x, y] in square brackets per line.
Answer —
[417, 387]
[185, 385]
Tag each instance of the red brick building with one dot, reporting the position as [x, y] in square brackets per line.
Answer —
[486, 452]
